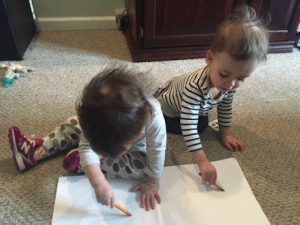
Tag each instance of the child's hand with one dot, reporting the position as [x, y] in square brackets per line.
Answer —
[149, 193]
[104, 193]
[230, 142]
[208, 172]
[233, 144]
[102, 188]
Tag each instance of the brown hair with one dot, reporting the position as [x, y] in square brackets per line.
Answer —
[112, 111]
[242, 36]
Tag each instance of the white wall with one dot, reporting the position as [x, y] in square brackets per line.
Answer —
[76, 14]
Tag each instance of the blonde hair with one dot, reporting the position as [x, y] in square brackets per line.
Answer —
[243, 36]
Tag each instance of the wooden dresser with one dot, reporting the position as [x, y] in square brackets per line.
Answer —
[181, 29]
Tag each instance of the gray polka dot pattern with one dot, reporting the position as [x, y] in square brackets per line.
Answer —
[116, 167]
[138, 164]
[77, 130]
[121, 163]
[64, 137]
[130, 165]
[109, 162]
[63, 143]
[55, 143]
[74, 122]
[75, 136]
[128, 170]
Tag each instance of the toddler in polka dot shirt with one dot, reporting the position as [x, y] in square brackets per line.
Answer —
[119, 131]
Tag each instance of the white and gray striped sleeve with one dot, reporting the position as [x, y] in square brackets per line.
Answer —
[225, 109]
[189, 115]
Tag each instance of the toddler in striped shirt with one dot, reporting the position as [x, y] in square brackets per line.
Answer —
[239, 45]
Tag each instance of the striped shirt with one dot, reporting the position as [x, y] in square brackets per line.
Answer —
[188, 97]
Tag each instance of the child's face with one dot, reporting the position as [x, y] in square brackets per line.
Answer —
[226, 73]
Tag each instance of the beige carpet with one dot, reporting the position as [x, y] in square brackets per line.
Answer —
[266, 116]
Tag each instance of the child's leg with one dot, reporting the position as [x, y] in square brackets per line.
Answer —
[173, 124]
[130, 165]
[26, 151]
[202, 123]
[64, 137]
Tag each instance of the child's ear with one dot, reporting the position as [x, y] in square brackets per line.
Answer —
[209, 57]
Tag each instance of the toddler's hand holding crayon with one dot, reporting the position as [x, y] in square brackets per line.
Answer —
[102, 188]
[208, 171]
[104, 193]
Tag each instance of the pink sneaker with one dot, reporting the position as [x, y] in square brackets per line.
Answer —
[23, 148]
[71, 162]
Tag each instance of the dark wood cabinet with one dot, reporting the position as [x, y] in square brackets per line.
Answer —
[17, 28]
[180, 29]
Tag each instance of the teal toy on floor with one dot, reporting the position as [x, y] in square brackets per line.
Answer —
[11, 72]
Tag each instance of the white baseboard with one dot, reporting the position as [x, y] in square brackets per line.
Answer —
[75, 23]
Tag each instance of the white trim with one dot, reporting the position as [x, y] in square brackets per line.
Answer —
[76, 23]
[32, 9]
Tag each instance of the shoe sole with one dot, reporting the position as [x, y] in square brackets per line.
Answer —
[18, 159]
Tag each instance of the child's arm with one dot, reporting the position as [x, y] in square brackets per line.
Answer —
[208, 171]
[224, 120]
[230, 142]
[103, 189]
[90, 162]
[156, 138]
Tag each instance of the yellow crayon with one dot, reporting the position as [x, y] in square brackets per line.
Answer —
[122, 209]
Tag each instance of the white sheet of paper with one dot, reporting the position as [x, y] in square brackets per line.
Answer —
[185, 200]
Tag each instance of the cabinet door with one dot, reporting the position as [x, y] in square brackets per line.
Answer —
[170, 23]
[284, 16]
